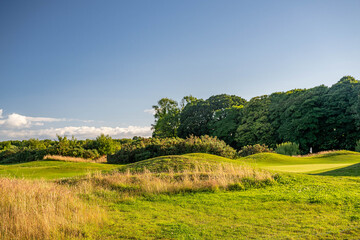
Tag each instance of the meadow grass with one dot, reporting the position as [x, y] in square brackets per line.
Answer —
[48, 169]
[44, 210]
[201, 196]
[102, 159]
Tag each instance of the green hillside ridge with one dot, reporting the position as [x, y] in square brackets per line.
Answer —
[317, 163]
[179, 162]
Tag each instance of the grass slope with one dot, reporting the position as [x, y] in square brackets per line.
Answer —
[313, 164]
[48, 169]
[179, 162]
[306, 207]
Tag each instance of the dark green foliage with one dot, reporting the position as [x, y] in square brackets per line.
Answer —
[197, 118]
[154, 147]
[166, 118]
[255, 126]
[357, 146]
[16, 156]
[340, 128]
[103, 144]
[253, 149]
[300, 117]
[225, 123]
[34, 149]
[320, 118]
[194, 119]
[288, 148]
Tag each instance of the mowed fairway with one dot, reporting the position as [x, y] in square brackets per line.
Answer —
[314, 164]
[48, 169]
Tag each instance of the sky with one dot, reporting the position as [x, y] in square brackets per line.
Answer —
[88, 67]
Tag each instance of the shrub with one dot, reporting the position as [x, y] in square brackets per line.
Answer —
[145, 148]
[288, 148]
[357, 146]
[26, 155]
[253, 149]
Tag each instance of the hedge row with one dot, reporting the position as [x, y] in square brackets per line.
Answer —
[153, 147]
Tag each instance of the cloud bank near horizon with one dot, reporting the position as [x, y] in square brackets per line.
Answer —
[19, 127]
[82, 132]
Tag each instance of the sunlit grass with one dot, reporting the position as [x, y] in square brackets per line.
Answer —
[191, 196]
[43, 210]
[52, 169]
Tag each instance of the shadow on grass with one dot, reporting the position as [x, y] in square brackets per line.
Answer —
[352, 171]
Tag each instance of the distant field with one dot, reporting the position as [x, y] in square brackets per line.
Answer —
[48, 169]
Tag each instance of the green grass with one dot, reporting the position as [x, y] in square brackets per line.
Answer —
[324, 203]
[314, 164]
[179, 162]
[299, 207]
[51, 169]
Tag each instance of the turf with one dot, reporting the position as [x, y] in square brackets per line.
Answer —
[179, 162]
[313, 164]
[51, 169]
[299, 207]
[323, 203]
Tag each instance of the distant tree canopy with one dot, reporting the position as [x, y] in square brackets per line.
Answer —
[321, 117]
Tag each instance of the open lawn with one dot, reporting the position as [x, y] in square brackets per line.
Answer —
[313, 164]
[191, 197]
[49, 169]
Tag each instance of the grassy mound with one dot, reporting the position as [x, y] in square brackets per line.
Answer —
[186, 162]
[174, 174]
[315, 163]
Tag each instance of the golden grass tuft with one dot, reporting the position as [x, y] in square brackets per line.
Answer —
[53, 210]
[201, 178]
[43, 210]
[102, 159]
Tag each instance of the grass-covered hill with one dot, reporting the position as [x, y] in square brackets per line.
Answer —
[315, 163]
[190, 196]
[180, 162]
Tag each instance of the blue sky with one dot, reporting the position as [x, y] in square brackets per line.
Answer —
[85, 67]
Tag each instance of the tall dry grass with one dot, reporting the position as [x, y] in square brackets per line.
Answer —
[43, 210]
[102, 159]
[201, 178]
[52, 210]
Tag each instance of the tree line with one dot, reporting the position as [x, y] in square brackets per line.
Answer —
[321, 118]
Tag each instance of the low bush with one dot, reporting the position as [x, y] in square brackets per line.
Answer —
[253, 149]
[357, 146]
[145, 148]
[288, 148]
[16, 156]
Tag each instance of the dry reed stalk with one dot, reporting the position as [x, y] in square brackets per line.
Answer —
[202, 177]
[43, 210]
[102, 159]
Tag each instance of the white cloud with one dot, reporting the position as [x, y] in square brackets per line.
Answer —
[79, 132]
[19, 127]
[151, 111]
[15, 120]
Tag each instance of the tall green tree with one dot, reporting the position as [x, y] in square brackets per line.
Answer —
[341, 124]
[196, 118]
[224, 124]
[167, 118]
[302, 117]
[255, 126]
